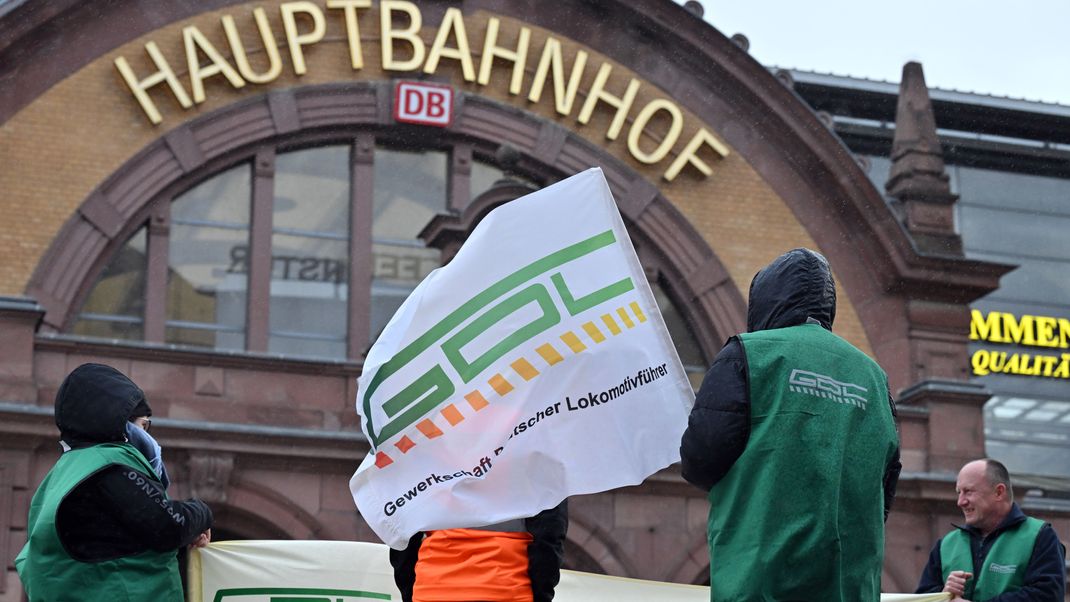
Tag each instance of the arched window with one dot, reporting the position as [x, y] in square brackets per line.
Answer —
[301, 252]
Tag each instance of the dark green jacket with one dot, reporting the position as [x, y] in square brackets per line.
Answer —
[804, 502]
[800, 476]
[1044, 577]
[49, 573]
[1004, 566]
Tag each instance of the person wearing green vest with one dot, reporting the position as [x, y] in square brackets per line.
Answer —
[999, 554]
[793, 436]
[101, 526]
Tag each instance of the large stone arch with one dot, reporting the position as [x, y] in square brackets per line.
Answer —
[233, 522]
[704, 72]
[599, 548]
[122, 203]
[694, 568]
[259, 512]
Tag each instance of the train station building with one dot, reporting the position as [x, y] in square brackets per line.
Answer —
[227, 201]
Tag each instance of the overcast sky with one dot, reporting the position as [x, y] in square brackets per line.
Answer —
[1015, 49]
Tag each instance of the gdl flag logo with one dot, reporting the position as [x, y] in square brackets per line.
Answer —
[533, 367]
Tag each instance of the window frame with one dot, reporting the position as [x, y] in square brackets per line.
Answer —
[139, 191]
[262, 160]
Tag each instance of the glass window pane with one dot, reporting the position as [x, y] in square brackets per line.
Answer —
[109, 327]
[310, 253]
[1013, 191]
[207, 275]
[410, 190]
[686, 345]
[216, 200]
[1015, 234]
[1044, 284]
[312, 191]
[485, 175]
[308, 296]
[115, 307]
[204, 335]
[399, 265]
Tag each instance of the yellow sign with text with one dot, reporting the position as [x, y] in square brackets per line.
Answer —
[1029, 330]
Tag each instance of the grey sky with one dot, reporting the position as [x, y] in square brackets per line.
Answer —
[1019, 50]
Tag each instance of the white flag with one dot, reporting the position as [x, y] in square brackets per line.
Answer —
[534, 366]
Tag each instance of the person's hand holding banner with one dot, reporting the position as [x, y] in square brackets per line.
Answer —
[534, 366]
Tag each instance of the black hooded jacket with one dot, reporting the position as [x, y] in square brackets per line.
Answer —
[794, 289]
[109, 515]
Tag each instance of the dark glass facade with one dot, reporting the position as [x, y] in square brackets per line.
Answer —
[1020, 219]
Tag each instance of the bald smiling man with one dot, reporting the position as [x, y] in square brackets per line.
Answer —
[999, 554]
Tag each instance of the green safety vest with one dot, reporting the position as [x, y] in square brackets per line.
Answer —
[800, 515]
[49, 574]
[1003, 569]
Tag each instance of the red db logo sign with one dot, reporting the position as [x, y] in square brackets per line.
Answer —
[423, 104]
